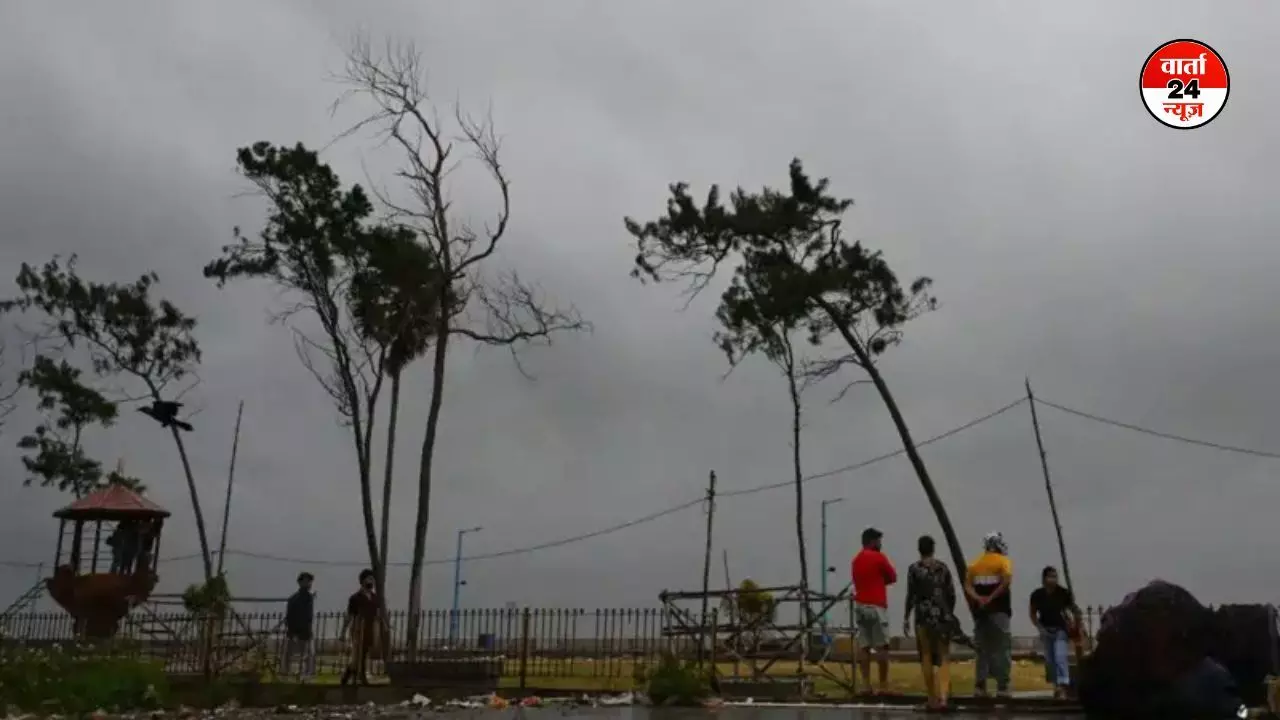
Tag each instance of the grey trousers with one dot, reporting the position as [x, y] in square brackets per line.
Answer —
[995, 651]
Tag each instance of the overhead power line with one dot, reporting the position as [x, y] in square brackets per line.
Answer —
[630, 523]
[1157, 433]
[733, 493]
[878, 458]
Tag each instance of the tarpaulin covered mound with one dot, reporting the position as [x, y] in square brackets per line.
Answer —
[1158, 655]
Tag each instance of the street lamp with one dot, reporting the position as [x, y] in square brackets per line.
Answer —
[826, 569]
[457, 584]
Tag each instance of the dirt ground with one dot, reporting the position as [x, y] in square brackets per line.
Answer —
[831, 678]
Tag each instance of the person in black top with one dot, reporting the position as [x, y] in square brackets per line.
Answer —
[124, 546]
[1053, 613]
[298, 620]
[360, 625]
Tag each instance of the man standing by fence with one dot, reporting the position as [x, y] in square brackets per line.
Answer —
[872, 574]
[299, 638]
[360, 625]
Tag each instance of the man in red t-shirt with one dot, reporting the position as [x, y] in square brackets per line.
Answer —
[872, 575]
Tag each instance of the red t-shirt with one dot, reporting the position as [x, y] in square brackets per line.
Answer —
[872, 575]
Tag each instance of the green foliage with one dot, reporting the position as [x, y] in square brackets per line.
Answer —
[208, 598]
[124, 329]
[55, 456]
[370, 286]
[396, 295]
[673, 682]
[314, 228]
[320, 241]
[792, 268]
[755, 605]
[124, 333]
[77, 680]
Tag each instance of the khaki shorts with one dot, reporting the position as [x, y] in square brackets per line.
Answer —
[872, 624]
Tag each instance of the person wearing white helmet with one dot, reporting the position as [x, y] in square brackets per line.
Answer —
[987, 587]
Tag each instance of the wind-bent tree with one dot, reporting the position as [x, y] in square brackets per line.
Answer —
[474, 303]
[126, 335]
[785, 250]
[746, 331]
[318, 241]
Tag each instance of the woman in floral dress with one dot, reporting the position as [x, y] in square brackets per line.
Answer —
[931, 598]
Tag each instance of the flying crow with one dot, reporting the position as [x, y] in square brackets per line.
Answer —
[165, 412]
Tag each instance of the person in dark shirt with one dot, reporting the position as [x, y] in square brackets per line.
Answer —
[360, 626]
[298, 621]
[1053, 613]
[931, 597]
[124, 543]
[146, 556]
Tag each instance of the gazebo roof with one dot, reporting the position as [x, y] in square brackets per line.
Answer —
[112, 502]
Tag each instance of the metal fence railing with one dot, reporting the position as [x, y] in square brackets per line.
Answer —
[527, 644]
[531, 643]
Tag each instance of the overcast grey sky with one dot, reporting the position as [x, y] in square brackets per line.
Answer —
[1000, 147]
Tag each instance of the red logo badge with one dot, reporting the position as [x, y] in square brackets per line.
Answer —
[1184, 84]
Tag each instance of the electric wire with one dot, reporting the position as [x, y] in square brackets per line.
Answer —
[637, 521]
[729, 493]
[1157, 433]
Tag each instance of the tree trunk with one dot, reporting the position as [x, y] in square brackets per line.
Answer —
[799, 478]
[424, 480]
[908, 444]
[364, 461]
[388, 475]
[195, 504]
[384, 532]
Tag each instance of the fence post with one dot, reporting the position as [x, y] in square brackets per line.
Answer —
[524, 649]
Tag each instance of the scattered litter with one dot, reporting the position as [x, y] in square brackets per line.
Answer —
[616, 700]
[418, 700]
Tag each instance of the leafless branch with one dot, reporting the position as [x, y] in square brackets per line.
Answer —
[504, 310]
[814, 372]
[325, 373]
[8, 388]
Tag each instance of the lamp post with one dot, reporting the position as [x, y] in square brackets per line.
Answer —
[457, 584]
[826, 569]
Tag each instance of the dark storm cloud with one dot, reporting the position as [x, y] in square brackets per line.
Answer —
[1002, 150]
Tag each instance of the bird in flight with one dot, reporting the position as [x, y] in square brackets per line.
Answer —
[165, 412]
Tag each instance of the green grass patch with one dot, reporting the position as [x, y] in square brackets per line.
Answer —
[74, 679]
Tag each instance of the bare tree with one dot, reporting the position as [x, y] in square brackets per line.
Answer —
[491, 308]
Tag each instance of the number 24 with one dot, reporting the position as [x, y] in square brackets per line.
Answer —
[1177, 89]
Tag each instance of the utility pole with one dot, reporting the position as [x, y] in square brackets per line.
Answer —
[825, 568]
[458, 582]
[231, 479]
[706, 562]
[1048, 486]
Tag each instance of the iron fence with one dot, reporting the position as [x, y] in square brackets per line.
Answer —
[530, 643]
[608, 646]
